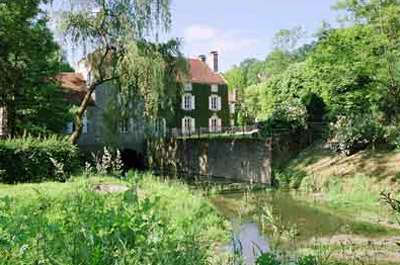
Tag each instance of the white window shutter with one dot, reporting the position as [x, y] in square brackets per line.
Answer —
[193, 103]
[183, 102]
[209, 103]
[193, 125]
[210, 124]
[183, 125]
[219, 124]
[219, 103]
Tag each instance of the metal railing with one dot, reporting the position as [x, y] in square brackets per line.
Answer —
[238, 131]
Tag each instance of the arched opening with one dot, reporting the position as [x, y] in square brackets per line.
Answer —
[133, 160]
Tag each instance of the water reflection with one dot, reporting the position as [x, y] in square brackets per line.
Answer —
[248, 240]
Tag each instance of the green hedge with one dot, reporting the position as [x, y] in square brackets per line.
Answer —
[37, 159]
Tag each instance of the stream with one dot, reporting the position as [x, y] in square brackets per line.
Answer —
[256, 216]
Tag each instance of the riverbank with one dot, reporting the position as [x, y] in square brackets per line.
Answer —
[349, 188]
[97, 220]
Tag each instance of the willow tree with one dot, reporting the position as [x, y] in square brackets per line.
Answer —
[116, 34]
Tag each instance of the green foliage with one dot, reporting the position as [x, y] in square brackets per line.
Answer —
[119, 36]
[289, 116]
[268, 259]
[273, 259]
[351, 71]
[29, 60]
[289, 179]
[31, 159]
[353, 133]
[307, 260]
[85, 227]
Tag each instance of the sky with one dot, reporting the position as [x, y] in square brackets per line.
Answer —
[241, 29]
[238, 29]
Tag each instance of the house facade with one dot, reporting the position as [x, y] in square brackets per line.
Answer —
[204, 105]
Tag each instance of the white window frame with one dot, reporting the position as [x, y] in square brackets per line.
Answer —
[188, 86]
[2, 121]
[214, 88]
[188, 125]
[188, 102]
[214, 103]
[232, 108]
[124, 126]
[215, 124]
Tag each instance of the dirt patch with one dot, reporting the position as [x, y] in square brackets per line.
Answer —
[348, 247]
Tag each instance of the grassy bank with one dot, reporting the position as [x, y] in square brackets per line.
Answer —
[78, 222]
[349, 188]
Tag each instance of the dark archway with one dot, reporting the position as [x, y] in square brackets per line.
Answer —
[133, 160]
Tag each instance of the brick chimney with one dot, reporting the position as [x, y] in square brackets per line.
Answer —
[213, 61]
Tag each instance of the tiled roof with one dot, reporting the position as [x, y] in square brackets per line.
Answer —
[74, 86]
[201, 73]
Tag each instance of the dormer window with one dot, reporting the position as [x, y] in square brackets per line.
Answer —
[214, 88]
[188, 86]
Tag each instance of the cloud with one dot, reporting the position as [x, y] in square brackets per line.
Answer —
[233, 45]
[199, 33]
[209, 38]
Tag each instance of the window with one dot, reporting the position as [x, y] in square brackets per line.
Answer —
[188, 102]
[214, 88]
[232, 108]
[188, 125]
[188, 87]
[124, 126]
[215, 124]
[215, 103]
[2, 121]
[70, 127]
[85, 128]
[160, 127]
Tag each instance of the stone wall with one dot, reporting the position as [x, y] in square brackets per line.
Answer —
[239, 159]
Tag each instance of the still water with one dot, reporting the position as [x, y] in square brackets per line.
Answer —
[257, 216]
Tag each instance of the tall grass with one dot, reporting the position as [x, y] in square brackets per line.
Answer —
[152, 223]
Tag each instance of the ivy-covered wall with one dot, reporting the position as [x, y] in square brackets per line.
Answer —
[202, 113]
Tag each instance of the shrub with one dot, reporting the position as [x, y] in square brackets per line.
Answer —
[288, 117]
[31, 159]
[351, 134]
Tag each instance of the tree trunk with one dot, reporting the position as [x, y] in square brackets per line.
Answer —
[79, 115]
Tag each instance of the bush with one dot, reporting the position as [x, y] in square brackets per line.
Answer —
[287, 117]
[351, 134]
[31, 159]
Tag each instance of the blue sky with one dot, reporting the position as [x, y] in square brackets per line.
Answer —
[240, 29]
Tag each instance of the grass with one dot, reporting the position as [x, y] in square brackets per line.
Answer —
[349, 187]
[68, 223]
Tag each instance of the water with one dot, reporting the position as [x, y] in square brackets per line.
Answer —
[249, 241]
[257, 216]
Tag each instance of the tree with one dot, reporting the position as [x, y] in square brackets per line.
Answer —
[381, 18]
[116, 34]
[346, 65]
[288, 39]
[29, 58]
